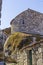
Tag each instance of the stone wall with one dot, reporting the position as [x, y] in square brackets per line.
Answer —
[28, 21]
[23, 58]
[37, 55]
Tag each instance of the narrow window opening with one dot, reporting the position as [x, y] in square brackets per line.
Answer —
[23, 22]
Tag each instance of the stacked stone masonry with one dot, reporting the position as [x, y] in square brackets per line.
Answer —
[31, 22]
[28, 21]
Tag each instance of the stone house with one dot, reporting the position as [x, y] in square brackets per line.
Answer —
[28, 22]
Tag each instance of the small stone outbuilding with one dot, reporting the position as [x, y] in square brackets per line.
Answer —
[28, 22]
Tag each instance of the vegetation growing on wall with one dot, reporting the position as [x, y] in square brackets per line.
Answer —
[17, 39]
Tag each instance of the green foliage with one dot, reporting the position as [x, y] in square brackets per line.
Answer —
[38, 38]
